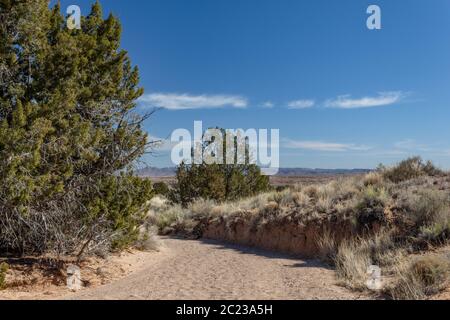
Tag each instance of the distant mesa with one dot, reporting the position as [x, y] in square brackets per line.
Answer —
[283, 172]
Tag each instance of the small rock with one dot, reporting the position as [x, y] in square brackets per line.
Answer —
[73, 277]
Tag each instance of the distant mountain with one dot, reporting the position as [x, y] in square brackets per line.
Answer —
[156, 172]
[317, 172]
[284, 172]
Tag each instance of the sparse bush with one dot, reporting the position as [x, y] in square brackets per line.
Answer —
[426, 206]
[370, 208]
[419, 278]
[352, 260]
[353, 256]
[438, 231]
[373, 179]
[409, 169]
[147, 238]
[202, 207]
[312, 192]
[167, 218]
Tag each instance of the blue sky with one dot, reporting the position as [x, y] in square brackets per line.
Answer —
[342, 96]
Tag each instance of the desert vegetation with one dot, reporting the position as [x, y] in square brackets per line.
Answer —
[220, 179]
[69, 135]
[395, 217]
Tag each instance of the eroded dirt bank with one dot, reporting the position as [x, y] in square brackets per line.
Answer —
[290, 237]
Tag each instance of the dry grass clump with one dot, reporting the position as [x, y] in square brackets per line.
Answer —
[403, 277]
[373, 179]
[428, 211]
[163, 214]
[147, 239]
[353, 256]
[328, 247]
[419, 278]
[425, 206]
[351, 261]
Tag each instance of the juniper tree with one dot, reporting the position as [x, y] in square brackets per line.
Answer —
[220, 182]
[67, 127]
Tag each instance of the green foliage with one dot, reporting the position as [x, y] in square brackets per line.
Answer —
[217, 178]
[67, 126]
[370, 207]
[161, 188]
[119, 201]
[3, 270]
[218, 182]
[409, 169]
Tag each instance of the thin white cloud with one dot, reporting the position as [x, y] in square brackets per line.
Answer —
[301, 104]
[174, 101]
[323, 146]
[410, 144]
[383, 99]
[268, 104]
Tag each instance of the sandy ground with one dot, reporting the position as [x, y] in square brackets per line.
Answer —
[30, 281]
[186, 269]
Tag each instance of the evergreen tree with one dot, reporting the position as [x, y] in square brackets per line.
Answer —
[219, 182]
[67, 127]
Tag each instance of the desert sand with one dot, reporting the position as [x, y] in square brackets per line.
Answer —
[203, 269]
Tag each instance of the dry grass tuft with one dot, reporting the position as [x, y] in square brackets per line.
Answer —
[420, 277]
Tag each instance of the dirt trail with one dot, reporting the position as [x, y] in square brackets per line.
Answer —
[186, 269]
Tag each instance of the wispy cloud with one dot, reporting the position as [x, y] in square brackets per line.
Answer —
[382, 99]
[323, 146]
[268, 104]
[412, 145]
[174, 101]
[301, 104]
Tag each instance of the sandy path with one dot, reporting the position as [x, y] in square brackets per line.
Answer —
[187, 269]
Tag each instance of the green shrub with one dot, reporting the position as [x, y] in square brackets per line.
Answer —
[68, 125]
[161, 188]
[409, 169]
[217, 182]
[370, 207]
[120, 201]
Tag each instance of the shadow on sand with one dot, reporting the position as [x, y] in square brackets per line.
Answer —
[297, 261]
